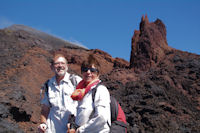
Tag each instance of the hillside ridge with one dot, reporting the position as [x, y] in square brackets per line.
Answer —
[158, 90]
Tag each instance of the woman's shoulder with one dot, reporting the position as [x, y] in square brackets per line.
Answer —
[101, 88]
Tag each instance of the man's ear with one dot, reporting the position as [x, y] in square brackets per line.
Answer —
[52, 67]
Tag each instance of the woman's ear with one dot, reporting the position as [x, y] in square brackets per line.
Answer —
[67, 67]
[98, 74]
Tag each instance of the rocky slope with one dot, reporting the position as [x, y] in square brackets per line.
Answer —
[159, 89]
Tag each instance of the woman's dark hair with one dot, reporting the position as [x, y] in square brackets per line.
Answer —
[91, 61]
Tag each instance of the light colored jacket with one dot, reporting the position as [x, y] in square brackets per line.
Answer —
[60, 103]
[98, 122]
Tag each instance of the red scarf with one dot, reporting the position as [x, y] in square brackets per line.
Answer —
[82, 89]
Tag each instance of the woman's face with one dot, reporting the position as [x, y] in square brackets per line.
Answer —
[90, 74]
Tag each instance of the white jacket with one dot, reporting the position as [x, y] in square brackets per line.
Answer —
[98, 122]
[60, 103]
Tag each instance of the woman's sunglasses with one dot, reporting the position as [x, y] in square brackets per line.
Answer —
[85, 69]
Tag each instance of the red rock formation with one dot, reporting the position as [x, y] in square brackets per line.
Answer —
[161, 93]
[149, 44]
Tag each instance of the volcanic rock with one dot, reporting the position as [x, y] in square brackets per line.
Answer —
[149, 44]
[159, 90]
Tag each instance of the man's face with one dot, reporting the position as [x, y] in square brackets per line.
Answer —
[60, 66]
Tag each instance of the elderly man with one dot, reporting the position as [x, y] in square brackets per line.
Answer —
[57, 104]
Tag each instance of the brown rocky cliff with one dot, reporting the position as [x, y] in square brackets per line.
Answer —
[25, 66]
[149, 44]
[160, 94]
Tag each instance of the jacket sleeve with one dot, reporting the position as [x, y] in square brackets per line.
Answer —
[43, 94]
[45, 100]
[101, 114]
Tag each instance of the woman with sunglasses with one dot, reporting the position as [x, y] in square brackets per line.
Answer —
[92, 117]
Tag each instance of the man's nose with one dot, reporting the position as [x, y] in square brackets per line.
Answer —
[60, 64]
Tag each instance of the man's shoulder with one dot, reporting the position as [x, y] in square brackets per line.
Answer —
[75, 77]
[50, 81]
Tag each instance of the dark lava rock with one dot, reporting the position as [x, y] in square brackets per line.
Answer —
[159, 90]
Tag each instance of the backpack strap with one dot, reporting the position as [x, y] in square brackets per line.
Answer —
[44, 89]
[94, 90]
[93, 98]
[113, 108]
[121, 123]
[73, 80]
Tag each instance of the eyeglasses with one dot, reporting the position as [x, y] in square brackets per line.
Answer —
[85, 69]
[59, 63]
